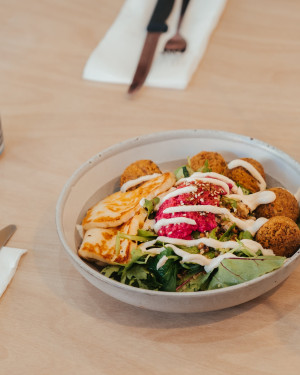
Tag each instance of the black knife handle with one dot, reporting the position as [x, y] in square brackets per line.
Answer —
[160, 14]
[184, 5]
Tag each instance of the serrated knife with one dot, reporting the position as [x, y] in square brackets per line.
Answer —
[6, 233]
[157, 25]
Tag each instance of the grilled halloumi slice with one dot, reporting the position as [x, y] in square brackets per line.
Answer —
[99, 244]
[119, 207]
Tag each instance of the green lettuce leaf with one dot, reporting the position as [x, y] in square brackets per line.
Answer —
[147, 234]
[245, 235]
[238, 270]
[244, 190]
[232, 202]
[193, 282]
[228, 234]
[191, 249]
[108, 271]
[212, 234]
[205, 168]
[149, 205]
[183, 172]
[135, 273]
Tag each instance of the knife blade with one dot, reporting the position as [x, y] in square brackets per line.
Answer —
[157, 25]
[6, 233]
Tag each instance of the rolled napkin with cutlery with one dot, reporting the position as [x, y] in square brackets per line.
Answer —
[9, 258]
[115, 58]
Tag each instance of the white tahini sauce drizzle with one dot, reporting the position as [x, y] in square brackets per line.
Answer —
[211, 242]
[173, 220]
[217, 260]
[252, 201]
[209, 180]
[253, 247]
[257, 224]
[190, 258]
[254, 172]
[250, 225]
[255, 199]
[131, 183]
[147, 247]
[161, 262]
[213, 175]
[175, 193]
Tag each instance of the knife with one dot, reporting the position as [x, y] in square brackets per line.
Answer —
[155, 28]
[6, 233]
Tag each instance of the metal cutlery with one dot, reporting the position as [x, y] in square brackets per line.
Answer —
[155, 28]
[6, 233]
[177, 43]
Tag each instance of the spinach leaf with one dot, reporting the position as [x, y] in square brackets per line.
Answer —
[166, 274]
[140, 276]
[134, 273]
[191, 267]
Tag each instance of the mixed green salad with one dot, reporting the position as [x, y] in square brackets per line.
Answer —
[158, 264]
[175, 276]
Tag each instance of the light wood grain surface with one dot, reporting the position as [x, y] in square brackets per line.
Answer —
[52, 321]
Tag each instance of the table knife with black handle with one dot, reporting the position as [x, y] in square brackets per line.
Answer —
[155, 28]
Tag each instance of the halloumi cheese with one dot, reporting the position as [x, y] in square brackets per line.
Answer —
[120, 207]
[99, 244]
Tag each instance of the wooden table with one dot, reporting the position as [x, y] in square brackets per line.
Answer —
[52, 321]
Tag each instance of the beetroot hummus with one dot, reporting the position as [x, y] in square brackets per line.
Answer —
[206, 194]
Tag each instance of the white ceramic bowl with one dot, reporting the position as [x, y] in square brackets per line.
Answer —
[99, 177]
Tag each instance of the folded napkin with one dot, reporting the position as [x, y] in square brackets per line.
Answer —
[116, 57]
[9, 259]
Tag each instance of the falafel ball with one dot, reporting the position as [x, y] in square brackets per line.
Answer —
[138, 169]
[245, 178]
[215, 161]
[281, 234]
[285, 204]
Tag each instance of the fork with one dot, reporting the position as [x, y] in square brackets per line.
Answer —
[177, 43]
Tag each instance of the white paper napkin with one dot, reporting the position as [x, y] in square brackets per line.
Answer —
[116, 57]
[9, 260]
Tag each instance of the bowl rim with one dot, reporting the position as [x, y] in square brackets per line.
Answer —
[148, 139]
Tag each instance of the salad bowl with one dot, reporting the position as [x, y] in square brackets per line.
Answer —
[100, 176]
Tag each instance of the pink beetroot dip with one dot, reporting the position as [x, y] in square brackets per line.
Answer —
[206, 194]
